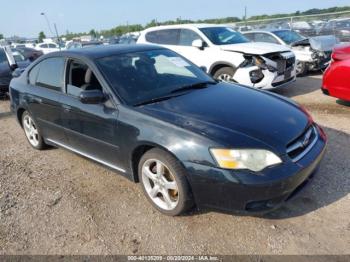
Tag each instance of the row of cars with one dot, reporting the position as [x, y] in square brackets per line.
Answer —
[339, 27]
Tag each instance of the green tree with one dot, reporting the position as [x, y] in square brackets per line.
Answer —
[41, 36]
[93, 33]
[1, 36]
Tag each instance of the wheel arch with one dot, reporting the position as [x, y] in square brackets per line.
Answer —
[218, 65]
[19, 114]
[139, 151]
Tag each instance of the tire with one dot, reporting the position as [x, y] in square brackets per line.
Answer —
[32, 132]
[225, 74]
[301, 68]
[174, 201]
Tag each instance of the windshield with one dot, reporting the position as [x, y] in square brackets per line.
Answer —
[223, 35]
[144, 76]
[289, 37]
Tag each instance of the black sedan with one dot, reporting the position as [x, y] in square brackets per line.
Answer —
[157, 119]
[7, 67]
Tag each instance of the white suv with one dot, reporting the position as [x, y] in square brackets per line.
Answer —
[226, 54]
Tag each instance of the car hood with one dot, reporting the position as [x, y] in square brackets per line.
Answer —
[224, 112]
[255, 48]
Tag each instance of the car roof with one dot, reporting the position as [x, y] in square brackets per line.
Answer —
[184, 26]
[103, 51]
[267, 31]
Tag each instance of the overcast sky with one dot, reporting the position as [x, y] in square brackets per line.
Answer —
[23, 17]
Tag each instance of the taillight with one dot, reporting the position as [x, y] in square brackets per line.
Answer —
[311, 120]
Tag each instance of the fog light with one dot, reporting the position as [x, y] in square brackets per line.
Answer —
[256, 76]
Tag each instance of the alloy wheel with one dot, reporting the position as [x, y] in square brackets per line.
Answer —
[31, 130]
[160, 184]
[225, 78]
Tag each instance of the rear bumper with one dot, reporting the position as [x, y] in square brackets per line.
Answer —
[245, 192]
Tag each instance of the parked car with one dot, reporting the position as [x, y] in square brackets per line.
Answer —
[336, 79]
[303, 28]
[8, 65]
[158, 119]
[338, 27]
[47, 48]
[75, 45]
[312, 54]
[29, 53]
[127, 40]
[226, 54]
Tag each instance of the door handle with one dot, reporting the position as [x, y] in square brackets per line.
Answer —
[38, 100]
[67, 108]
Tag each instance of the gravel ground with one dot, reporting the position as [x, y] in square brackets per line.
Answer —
[55, 202]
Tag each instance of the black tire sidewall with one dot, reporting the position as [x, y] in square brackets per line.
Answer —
[224, 70]
[175, 167]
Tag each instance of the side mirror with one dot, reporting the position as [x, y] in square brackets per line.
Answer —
[92, 96]
[204, 69]
[198, 43]
[17, 72]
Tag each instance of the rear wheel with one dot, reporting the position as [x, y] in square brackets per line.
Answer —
[164, 183]
[32, 132]
[225, 74]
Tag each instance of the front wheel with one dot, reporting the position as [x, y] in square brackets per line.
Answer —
[225, 74]
[164, 182]
[301, 68]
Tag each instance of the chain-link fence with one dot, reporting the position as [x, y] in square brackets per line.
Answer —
[337, 24]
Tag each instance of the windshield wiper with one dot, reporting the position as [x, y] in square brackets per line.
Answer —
[155, 100]
[194, 86]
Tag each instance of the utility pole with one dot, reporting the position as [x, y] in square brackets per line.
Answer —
[47, 21]
[58, 38]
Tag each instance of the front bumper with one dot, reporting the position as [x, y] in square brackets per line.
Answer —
[271, 80]
[248, 193]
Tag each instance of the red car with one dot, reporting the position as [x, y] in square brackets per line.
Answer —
[336, 79]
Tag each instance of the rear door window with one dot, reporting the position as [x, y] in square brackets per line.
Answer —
[164, 37]
[266, 38]
[51, 73]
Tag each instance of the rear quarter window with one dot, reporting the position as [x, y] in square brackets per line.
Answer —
[164, 37]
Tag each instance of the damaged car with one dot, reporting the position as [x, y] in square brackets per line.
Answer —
[226, 54]
[312, 54]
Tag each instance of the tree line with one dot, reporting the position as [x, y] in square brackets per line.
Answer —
[123, 29]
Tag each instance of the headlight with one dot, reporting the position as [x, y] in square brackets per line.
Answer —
[252, 159]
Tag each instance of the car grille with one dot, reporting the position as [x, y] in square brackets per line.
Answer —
[297, 149]
[285, 61]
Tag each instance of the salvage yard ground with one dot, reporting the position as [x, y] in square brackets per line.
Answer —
[55, 202]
